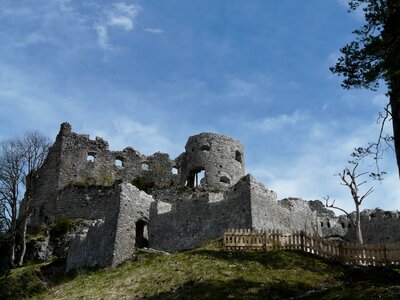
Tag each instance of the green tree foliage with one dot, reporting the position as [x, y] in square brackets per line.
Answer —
[373, 56]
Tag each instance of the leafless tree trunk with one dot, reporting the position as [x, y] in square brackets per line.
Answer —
[23, 240]
[349, 178]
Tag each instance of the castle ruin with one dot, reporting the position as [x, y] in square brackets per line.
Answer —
[131, 200]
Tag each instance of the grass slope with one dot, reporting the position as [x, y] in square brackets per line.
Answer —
[209, 273]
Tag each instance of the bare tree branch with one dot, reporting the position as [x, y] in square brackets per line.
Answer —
[349, 217]
[20, 158]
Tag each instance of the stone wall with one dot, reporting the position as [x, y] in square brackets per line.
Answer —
[112, 239]
[79, 202]
[269, 213]
[377, 226]
[45, 186]
[92, 247]
[200, 216]
[132, 223]
[86, 161]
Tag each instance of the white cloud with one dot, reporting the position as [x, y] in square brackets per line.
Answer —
[102, 37]
[37, 101]
[121, 131]
[123, 15]
[154, 30]
[256, 88]
[121, 21]
[64, 5]
[30, 98]
[118, 15]
[278, 122]
[310, 174]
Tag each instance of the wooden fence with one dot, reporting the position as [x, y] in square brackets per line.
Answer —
[348, 253]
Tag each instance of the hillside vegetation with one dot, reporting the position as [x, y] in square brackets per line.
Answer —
[207, 273]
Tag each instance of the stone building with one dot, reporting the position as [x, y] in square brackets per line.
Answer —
[130, 200]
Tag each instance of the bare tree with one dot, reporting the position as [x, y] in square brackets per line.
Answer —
[34, 148]
[11, 164]
[20, 158]
[349, 178]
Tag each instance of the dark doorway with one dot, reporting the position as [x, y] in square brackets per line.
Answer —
[141, 234]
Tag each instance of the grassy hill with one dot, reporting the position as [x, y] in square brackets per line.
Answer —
[208, 273]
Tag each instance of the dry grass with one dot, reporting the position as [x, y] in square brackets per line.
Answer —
[209, 273]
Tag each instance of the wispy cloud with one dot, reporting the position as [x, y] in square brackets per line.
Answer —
[154, 30]
[102, 37]
[254, 88]
[30, 98]
[35, 100]
[148, 137]
[310, 174]
[123, 15]
[278, 122]
[118, 15]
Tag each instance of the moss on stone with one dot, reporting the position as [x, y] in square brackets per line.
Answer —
[61, 227]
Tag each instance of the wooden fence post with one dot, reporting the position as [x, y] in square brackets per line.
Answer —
[265, 239]
[224, 240]
[302, 240]
[341, 254]
[385, 256]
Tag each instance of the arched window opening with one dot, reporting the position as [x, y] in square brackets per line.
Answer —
[142, 238]
[322, 224]
[118, 162]
[343, 225]
[200, 178]
[175, 171]
[145, 167]
[91, 157]
[328, 224]
[225, 180]
[205, 148]
[196, 177]
[238, 156]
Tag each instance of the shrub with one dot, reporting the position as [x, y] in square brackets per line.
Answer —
[61, 227]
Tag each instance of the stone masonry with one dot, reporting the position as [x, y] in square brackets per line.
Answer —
[131, 200]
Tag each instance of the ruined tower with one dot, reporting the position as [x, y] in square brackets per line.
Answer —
[219, 158]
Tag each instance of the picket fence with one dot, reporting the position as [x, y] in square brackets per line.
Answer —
[347, 253]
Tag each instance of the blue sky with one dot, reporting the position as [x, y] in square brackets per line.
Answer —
[151, 73]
